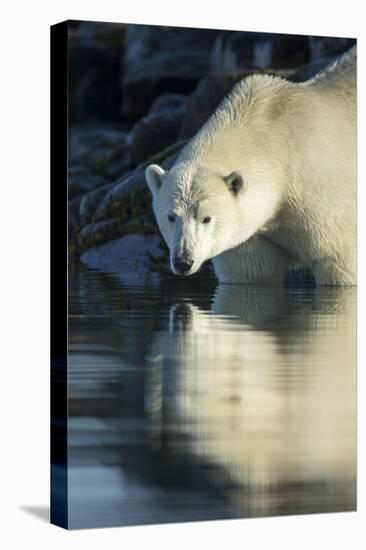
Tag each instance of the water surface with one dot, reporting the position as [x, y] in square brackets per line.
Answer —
[192, 401]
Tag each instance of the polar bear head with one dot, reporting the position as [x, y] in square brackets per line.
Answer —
[203, 211]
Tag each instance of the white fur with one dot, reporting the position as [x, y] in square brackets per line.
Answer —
[295, 147]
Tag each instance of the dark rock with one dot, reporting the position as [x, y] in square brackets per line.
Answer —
[103, 151]
[132, 182]
[94, 228]
[288, 51]
[235, 51]
[132, 255]
[74, 213]
[323, 47]
[159, 129]
[71, 222]
[91, 201]
[130, 185]
[95, 51]
[157, 59]
[168, 102]
[102, 227]
[80, 181]
[309, 70]
[120, 163]
[111, 35]
[324, 51]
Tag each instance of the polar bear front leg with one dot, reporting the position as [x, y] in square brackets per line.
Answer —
[329, 272]
[255, 261]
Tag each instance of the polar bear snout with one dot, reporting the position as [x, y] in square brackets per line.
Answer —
[182, 263]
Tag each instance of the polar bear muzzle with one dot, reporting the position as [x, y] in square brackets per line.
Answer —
[182, 264]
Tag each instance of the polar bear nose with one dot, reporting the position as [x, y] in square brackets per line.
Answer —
[182, 264]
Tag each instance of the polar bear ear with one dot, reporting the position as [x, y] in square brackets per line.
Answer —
[235, 182]
[153, 176]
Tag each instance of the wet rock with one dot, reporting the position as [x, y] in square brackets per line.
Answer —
[168, 102]
[94, 228]
[120, 163]
[160, 59]
[74, 213]
[132, 182]
[309, 70]
[159, 129]
[324, 51]
[71, 221]
[81, 181]
[91, 201]
[235, 51]
[322, 47]
[288, 51]
[104, 228]
[135, 254]
[110, 35]
[102, 151]
[95, 51]
[132, 186]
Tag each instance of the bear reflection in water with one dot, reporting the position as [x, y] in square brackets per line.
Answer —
[190, 402]
[262, 387]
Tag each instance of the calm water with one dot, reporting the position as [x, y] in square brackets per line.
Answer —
[190, 401]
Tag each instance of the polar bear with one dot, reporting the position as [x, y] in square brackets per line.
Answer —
[268, 183]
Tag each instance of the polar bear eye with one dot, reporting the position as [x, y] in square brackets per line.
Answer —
[207, 219]
[171, 218]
